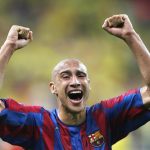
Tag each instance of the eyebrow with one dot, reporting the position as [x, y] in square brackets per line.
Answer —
[69, 72]
[82, 72]
[64, 71]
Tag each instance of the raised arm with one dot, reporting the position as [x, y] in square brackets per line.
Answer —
[17, 38]
[120, 26]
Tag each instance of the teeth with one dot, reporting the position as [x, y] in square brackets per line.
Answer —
[75, 92]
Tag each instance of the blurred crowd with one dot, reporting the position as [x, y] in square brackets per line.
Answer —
[65, 29]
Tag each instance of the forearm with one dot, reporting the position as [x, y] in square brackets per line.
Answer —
[120, 26]
[141, 53]
[6, 52]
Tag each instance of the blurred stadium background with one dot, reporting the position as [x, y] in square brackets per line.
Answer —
[72, 28]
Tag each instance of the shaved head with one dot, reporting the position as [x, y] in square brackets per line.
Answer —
[63, 64]
[71, 85]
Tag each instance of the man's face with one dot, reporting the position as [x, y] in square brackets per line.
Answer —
[71, 85]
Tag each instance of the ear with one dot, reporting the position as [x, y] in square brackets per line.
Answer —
[52, 88]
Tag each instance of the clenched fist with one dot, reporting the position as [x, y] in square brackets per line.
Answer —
[118, 25]
[19, 36]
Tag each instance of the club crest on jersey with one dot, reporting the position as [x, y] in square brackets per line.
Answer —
[96, 139]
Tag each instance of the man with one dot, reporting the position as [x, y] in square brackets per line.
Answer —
[73, 126]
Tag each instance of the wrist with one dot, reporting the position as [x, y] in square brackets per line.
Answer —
[131, 37]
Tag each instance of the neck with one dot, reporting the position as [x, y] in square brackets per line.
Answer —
[71, 118]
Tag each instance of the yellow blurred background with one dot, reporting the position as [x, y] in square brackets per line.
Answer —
[72, 28]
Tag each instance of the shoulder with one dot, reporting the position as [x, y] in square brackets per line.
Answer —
[13, 105]
[130, 97]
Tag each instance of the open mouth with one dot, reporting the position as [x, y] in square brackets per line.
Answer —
[75, 95]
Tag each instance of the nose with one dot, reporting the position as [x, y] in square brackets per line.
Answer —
[75, 82]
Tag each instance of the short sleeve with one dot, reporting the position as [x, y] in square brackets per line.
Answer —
[123, 114]
[17, 123]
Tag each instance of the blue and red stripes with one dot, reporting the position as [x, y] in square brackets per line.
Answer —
[116, 116]
[36, 128]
